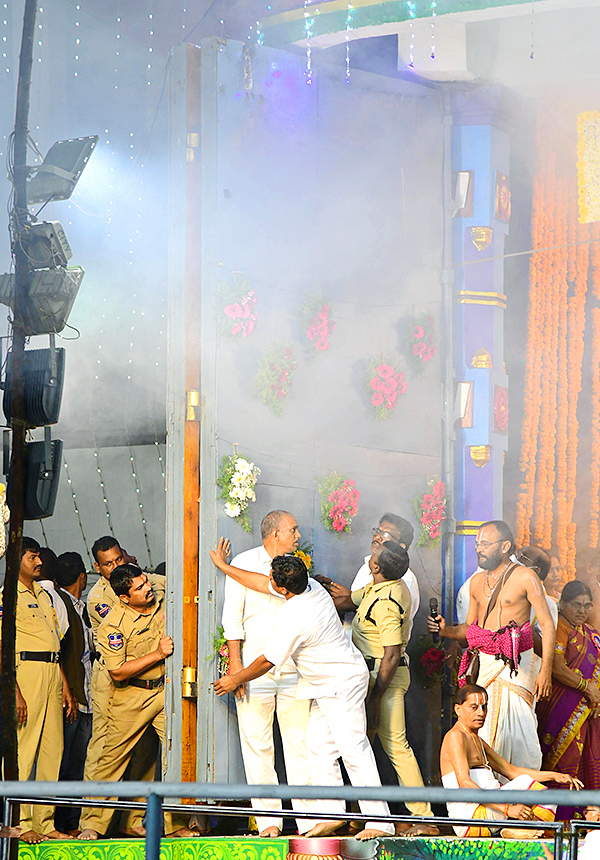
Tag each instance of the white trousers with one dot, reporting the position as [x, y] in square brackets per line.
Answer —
[338, 727]
[255, 711]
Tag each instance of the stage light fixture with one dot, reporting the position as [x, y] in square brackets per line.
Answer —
[51, 297]
[46, 245]
[58, 174]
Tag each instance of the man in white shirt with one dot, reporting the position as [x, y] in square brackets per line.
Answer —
[248, 619]
[333, 677]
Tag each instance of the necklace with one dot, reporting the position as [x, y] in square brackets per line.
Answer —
[491, 586]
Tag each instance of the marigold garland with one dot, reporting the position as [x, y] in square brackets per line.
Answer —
[554, 357]
[595, 431]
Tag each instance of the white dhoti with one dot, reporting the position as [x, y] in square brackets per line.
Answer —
[511, 724]
[485, 778]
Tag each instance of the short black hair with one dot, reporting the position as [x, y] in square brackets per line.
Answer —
[48, 559]
[103, 544]
[272, 521]
[29, 545]
[69, 567]
[463, 693]
[393, 560]
[289, 572]
[122, 576]
[574, 589]
[503, 530]
[407, 532]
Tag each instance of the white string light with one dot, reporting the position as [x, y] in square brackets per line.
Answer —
[348, 31]
[433, 17]
[140, 504]
[410, 5]
[103, 488]
[117, 47]
[150, 44]
[308, 25]
[184, 18]
[76, 508]
[77, 38]
[5, 39]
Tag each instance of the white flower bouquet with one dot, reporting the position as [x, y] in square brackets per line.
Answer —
[237, 479]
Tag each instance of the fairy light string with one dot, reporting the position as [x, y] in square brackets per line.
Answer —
[76, 509]
[103, 488]
[140, 503]
[433, 7]
[412, 14]
[348, 31]
[308, 25]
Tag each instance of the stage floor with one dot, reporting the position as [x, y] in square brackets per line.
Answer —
[228, 848]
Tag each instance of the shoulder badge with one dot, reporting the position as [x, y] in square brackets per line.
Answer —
[102, 609]
[115, 640]
[0, 610]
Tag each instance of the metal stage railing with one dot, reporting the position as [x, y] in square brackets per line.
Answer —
[72, 793]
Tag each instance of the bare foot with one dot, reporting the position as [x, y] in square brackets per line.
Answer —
[184, 833]
[58, 834]
[401, 828]
[136, 832]
[423, 830]
[325, 828]
[8, 832]
[89, 834]
[270, 832]
[32, 837]
[371, 834]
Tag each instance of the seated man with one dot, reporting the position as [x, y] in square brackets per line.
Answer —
[466, 761]
[333, 676]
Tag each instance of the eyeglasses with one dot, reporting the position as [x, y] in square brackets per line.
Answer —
[382, 534]
[530, 562]
[485, 543]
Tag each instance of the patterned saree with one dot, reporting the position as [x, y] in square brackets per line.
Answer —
[570, 739]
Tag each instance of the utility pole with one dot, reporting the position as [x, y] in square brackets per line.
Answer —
[19, 224]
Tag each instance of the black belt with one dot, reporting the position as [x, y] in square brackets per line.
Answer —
[370, 661]
[146, 685]
[40, 656]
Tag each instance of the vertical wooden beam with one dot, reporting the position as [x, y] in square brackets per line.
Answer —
[191, 464]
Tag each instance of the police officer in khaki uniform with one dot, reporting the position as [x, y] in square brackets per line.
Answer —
[39, 692]
[132, 643]
[380, 631]
[101, 599]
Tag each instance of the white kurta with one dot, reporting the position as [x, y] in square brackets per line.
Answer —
[334, 675]
[251, 616]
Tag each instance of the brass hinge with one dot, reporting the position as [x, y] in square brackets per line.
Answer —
[189, 682]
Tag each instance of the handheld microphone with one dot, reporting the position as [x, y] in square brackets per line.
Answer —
[433, 611]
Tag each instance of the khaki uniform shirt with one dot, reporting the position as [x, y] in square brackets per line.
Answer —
[382, 617]
[37, 628]
[102, 598]
[127, 634]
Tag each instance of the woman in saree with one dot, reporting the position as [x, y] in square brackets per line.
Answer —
[569, 727]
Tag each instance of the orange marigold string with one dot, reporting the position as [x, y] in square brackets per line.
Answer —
[595, 432]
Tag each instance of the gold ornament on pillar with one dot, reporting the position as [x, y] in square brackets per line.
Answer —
[481, 237]
[480, 454]
[482, 359]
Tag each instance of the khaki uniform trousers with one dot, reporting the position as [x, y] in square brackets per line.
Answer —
[143, 761]
[41, 736]
[392, 733]
[132, 711]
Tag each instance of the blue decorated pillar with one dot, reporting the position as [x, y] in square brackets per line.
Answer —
[481, 212]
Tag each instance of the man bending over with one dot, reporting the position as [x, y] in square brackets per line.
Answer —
[333, 676]
[466, 761]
